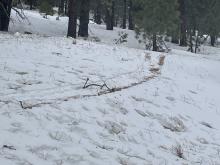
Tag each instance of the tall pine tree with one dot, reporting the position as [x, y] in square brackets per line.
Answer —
[156, 17]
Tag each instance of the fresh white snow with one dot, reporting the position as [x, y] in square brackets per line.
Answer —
[161, 113]
[35, 23]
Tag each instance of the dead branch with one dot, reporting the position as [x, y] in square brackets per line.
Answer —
[25, 105]
[21, 104]
[97, 85]
[9, 147]
[20, 13]
[85, 83]
[37, 103]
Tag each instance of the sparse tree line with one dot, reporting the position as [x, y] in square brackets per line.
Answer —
[186, 22]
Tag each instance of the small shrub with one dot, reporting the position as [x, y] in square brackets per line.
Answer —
[46, 8]
[122, 38]
[161, 60]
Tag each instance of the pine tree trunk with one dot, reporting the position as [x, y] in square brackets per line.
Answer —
[66, 10]
[191, 41]
[130, 18]
[196, 44]
[84, 18]
[31, 4]
[113, 13]
[212, 40]
[175, 39]
[98, 15]
[116, 20]
[72, 19]
[5, 12]
[124, 15]
[109, 18]
[61, 7]
[183, 41]
[154, 42]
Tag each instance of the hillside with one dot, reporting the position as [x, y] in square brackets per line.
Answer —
[66, 101]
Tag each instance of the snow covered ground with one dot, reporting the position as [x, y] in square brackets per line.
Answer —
[145, 114]
[51, 27]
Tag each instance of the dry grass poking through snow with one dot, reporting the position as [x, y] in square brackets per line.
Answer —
[161, 60]
[178, 151]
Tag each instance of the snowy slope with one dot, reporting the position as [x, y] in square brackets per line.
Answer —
[51, 27]
[139, 125]
[158, 114]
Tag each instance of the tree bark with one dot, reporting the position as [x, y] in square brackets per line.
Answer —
[31, 4]
[110, 12]
[196, 44]
[98, 15]
[212, 40]
[66, 10]
[124, 15]
[183, 40]
[84, 18]
[191, 41]
[61, 7]
[72, 19]
[155, 48]
[5, 12]
[130, 16]
[109, 26]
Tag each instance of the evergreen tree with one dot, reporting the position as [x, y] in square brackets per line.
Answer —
[182, 10]
[98, 12]
[61, 7]
[210, 19]
[46, 7]
[156, 17]
[194, 10]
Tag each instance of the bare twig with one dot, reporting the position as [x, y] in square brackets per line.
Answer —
[97, 85]
[20, 13]
[178, 151]
[9, 147]
[85, 83]
[25, 105]
[21, 104]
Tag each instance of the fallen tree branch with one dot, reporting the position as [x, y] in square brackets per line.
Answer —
[22, 106]
[97, 85]
[25, 105]
[29, 104]
[37, 103]
[9, 147]
[117, 89]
